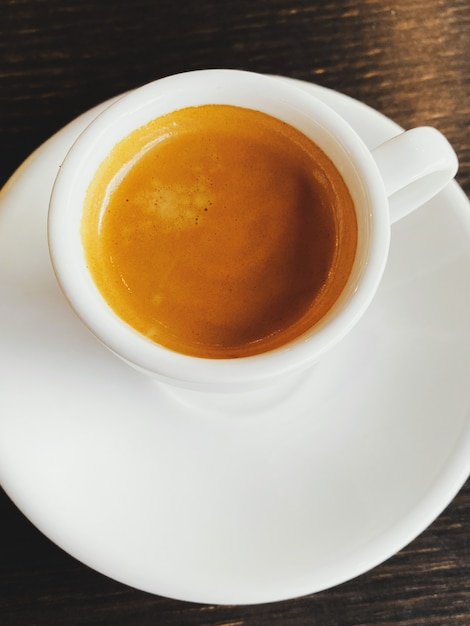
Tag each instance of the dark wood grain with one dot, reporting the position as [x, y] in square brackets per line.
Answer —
[408, 59]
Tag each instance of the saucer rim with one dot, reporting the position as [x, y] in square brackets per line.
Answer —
[443, 491]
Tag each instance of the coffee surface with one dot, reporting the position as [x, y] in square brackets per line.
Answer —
[219, 231]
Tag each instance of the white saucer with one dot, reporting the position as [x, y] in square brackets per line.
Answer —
[245, 498]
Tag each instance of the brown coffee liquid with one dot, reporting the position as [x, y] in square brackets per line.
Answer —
[219, 231]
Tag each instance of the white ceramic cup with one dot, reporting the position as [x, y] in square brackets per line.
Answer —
[385, 184]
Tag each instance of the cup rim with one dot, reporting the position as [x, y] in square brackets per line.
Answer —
[117, 335]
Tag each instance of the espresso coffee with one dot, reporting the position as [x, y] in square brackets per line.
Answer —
[219, 231]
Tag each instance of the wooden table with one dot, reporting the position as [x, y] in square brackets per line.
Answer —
[409, 60]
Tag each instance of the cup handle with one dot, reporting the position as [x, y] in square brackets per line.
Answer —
[415, 166]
